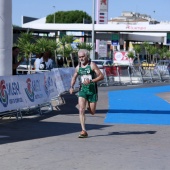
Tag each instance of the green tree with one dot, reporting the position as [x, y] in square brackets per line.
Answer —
[146, 46]
[84, 45]
[138, 49]
[162, 52]
[131, 55]
[68, 17]
[168, 55]
[152, 51]
[42, 45]
[53, 47]
[26, 45]
[65, 42]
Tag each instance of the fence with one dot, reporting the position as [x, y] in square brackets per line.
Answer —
[129, 75]
[34, 92]
[42, 92]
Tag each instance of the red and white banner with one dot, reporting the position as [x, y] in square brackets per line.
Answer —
[121, 58]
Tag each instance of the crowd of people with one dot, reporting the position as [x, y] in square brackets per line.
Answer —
[43, 61]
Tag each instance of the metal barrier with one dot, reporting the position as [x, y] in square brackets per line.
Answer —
[129, 75]
[11, 113]
[27, 71]
[39, 109]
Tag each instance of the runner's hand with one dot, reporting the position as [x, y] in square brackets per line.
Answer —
[71, 90]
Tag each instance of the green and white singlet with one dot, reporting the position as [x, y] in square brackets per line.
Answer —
[87, 73]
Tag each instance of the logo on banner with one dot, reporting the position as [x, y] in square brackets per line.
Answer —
[29, 90]
[3, 93]
[48, 84]
[55, 82]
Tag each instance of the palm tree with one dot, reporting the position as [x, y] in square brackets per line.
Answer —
[162, 52]
[152, 50]
[130, 56]
[42, 45]
[53, 46]
[26, 46]
[66, 39]
[137, 48]
[86, 46]
[146, 46]
[168, 55]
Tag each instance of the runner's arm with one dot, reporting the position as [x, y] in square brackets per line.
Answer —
[99, 74]
[73, 80]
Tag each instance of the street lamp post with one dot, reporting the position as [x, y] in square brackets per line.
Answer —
[54, 14]
[93, 19]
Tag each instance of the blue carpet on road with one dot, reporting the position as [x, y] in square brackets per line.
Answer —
[138, 106]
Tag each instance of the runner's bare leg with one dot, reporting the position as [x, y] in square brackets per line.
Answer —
[92, 107]
[82, 107]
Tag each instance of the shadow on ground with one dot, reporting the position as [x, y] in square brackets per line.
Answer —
[37, 127]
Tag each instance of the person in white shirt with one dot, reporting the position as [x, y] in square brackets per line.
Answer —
[37, 61]
[47, 61]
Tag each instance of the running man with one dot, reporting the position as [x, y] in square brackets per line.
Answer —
[89, 74]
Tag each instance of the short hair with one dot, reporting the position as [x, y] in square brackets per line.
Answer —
[15, 47]
[85, 51]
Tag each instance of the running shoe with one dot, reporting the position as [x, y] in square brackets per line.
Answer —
[83, 134]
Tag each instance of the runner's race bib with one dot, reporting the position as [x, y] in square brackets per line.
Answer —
[86, 77]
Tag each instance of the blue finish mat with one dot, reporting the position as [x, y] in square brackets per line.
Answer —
[139, 106]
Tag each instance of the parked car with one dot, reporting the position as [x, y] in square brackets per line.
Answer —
[104, 58]
[101, 63]
[25, 66]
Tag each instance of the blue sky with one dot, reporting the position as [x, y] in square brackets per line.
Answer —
[41, 8]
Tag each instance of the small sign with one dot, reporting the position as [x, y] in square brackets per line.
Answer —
[115, 39]
[168, 38]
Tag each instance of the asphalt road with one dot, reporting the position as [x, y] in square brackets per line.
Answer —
[51, 141]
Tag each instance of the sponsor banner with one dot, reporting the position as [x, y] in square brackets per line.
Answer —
[33, 90]
[121, 57]
[66, 75]
[11, 97]
[58, 81]
[50, 85]
[18, 92]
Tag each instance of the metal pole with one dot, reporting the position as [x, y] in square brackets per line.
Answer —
[93, 19]
[6, 37]
[54, 14]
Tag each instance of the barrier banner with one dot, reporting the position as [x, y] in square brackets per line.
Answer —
[66, 75]
[58, 80]
[33, 89]
[23, 91]
[11, 97]
[50, 86]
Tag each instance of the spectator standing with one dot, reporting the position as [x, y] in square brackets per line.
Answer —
[37, 61]
[46, 61]
[15, 62]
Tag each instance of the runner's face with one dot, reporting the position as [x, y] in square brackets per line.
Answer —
[82, 58]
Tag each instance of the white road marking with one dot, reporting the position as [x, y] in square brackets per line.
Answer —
[1, 136]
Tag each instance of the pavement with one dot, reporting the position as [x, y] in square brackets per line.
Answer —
[51, 141]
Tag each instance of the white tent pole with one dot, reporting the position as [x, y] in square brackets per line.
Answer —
[5, 37]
